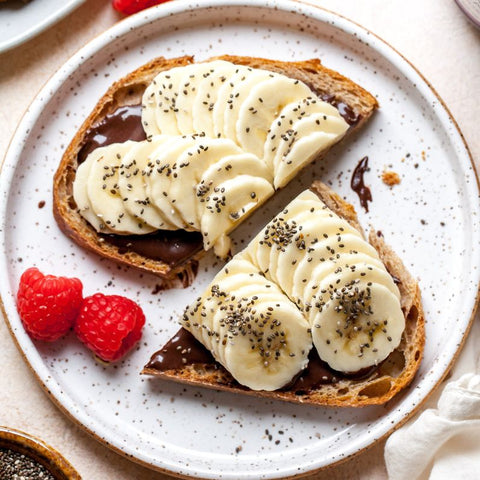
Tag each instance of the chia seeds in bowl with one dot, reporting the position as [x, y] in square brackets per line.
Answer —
[16, 465]
[24, 457]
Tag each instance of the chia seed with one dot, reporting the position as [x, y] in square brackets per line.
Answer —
[17, 466]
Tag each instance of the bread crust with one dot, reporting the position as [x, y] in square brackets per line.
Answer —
[380, 386]
[129, 91]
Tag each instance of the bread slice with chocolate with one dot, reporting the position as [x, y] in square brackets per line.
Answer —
[361, 311]
[229, 112]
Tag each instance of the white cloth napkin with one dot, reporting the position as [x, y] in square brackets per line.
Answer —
[442, 443]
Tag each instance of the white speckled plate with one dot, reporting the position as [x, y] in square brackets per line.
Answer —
[20, 20]
[431, 218]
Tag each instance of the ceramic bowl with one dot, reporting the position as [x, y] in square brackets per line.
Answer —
[37, 451]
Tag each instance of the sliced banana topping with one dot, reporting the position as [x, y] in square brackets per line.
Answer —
[308, 276]
[188, 91]
[160, 175]
[229, 202]
[336, 278]
[80, 191]
[207, 97]
[299, 145]
[221, 138]
[159, 103]
[262, 108]
[97, 193]
[170, 182]
[231, 98]
[272, 116]
[250, 327]
[358, 321]
[132, 183]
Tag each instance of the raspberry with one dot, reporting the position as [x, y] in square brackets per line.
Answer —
[48, 305]
[109, 325]
[128, 7]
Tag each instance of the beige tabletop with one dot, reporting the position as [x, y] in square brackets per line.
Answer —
[433, 35]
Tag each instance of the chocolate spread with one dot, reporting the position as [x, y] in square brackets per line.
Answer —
[172, 247]
[358, 184]
[125, 123]
[184, 349]
[181, 350]
[344, 110]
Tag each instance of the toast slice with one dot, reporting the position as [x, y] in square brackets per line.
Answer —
[173, 255]
[369, 387]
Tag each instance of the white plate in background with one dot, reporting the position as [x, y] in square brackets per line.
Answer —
[21, 20]
[431, 219]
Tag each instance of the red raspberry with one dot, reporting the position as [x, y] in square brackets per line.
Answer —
[48, 305]
[128, 7]
[109, 325]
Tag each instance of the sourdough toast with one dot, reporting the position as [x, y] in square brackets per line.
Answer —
[376, 386]
[354, 103]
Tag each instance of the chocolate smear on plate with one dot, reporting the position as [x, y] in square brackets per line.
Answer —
[358, 185]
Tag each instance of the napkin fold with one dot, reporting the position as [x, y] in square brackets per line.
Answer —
[442, 443]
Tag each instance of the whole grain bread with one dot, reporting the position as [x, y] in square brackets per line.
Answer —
[352, 99]
[380, 385]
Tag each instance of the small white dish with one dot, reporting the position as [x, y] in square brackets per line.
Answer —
[21, 20]
[471, 8]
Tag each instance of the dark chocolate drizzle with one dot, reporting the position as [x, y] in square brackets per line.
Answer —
[358, 185]
[183, 349]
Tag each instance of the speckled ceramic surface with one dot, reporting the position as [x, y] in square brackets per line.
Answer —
[21, 20]
[431, 219]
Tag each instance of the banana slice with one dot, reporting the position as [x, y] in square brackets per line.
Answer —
[207, 97]
[230, 167]
[227, 284]
[330, 252]
[159, 102]
[348, 319]
[80, 193]
[282, 243]
[263, 343]
[149, 114]
[302, 143]
[132, 182]
[360, 324]
[273, 351]
[203, 330]
[104, 193]
[242, 82]
[235, 198]
[187, 92]
[262, 106]
[224, 96]
[308, 292]
[187, 172]
[293, 112]
[159, 179]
